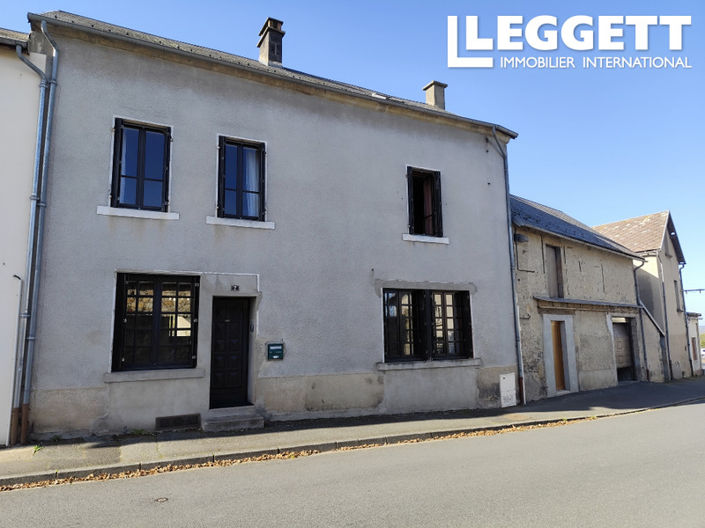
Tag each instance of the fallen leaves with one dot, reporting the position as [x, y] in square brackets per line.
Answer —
[288, 455]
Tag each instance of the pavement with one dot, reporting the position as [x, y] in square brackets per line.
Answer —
[122, 453]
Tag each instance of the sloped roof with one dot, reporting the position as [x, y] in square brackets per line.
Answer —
[89, 25]
[526, 213]
[644, 234]
[12, 38]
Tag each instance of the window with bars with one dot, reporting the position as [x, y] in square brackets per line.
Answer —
[241, 179]
[425, 324]
[424, 202]
[140, 166]
[155, 322]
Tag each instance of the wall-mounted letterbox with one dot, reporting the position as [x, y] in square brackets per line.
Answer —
[275, 351]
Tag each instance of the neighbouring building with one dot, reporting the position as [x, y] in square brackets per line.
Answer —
[19, 92]
[653, 237]
[228, 240]
[580, 320]
[694, 335]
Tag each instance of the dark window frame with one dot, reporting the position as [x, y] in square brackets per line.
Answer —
[123, 351]
[239, 190]
[424, 190]
[142, 128]
[421, 336]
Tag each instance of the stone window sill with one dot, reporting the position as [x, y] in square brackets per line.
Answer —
[136, 213]
[425, 239]
[238, 222]
[153, 375]
[417, 365]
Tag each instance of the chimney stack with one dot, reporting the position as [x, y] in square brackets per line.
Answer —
[435, 94]
[270, 42]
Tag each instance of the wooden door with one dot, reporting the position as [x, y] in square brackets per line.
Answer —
[229, 352]
[558, 364]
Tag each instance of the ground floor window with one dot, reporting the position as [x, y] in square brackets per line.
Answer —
[155, 322]
[425, 324]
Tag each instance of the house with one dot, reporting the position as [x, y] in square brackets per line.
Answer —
[19, 91]
[229, 240]
[581, 323]
[653, 237]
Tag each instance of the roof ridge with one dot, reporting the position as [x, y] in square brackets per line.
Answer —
[668, 212]
[549, 219]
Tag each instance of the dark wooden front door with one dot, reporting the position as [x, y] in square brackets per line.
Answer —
[229, 351]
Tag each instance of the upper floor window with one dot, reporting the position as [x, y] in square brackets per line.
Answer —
[426, 324]
[241, 179]
[140, 166]
[424, 202]
[554, 271]
[679, 299]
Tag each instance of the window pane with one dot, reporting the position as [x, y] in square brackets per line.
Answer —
[152, 194]
[128, 156]
[142, 356]
[129, 337]
[250, 205]
[154, 155]
[251, 169]
[182, 354]
[143, 337]
[131, 287]
[168, 304]
[185, 289]
[143, 321]
[128, 191]
[230, 203]
[230, 167]
[146, 288]
[145, 304]
[184, 304]
[183, 321]
[169, 289]
[131, 304]
[166, 355]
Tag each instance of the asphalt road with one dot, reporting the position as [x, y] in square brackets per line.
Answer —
[637, 470]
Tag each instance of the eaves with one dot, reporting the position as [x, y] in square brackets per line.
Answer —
[632, 256]
[286, 77]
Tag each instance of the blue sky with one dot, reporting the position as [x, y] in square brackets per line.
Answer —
[601, 145]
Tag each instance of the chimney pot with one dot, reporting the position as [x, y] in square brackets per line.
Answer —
[435, 94]
[270, 42]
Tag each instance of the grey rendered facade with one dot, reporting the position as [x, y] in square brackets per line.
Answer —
[333, 237]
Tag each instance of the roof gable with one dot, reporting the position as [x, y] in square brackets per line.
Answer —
[644, 234]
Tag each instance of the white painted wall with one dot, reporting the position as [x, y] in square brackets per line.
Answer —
[337, 195]
[19, 95]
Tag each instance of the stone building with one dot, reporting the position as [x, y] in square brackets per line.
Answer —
[228, 240]
[653, 237]
[581, 327]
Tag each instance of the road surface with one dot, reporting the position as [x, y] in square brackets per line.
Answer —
[638, 470]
